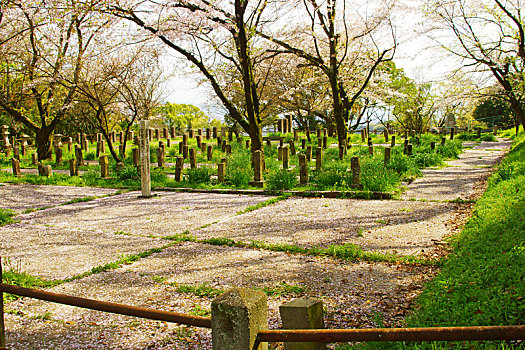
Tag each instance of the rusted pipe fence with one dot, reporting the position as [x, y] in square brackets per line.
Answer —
[104, 306]
[394, 334]
[302, 335]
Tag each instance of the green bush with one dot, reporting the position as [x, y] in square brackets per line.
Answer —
[427, 159]
[334, 175]
[450, 150]
[129, 172]
[281, 179]
[376, 177]
[238, 171]
[199, 175]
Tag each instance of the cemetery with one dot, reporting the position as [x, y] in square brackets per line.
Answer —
[243, 175]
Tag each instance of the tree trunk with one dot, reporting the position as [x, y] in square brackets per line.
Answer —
[44, 142]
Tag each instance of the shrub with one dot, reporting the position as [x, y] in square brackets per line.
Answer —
[238, 171]
[199, 175]
[281, 179]
[426, 159]
[129, 172]
[450, 149]
[334, 175]
[376, 177]
[6, 216]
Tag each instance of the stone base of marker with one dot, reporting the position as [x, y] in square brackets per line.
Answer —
[236, 318]
[302, 314]
[45, 170]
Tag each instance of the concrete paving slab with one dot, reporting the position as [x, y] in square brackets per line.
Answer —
[58, 253]
[352, 294]
[403, 227]
[163, 215]
[24, 196]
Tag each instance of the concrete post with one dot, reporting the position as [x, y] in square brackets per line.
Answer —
[78, 155]
[385, 133]
[209, 153]
[356, 171]
[73, 169]
[185, 151]
[302, 314]
[388, 151]
[318, 159]
[236, 318]
[286, 157]
[303, 143]
[145, 176]
[179, 165]
[393, 141]
[104, 166]
[409, 149]
[309, 153]
[303, 169]
[193, 158]
[452, 132]
[279, 153]
[160, 157]
[15, 163]
[58, 156]
[292, 147]
[325, 142]
[204, 146]
[371, 150]
[221, 172]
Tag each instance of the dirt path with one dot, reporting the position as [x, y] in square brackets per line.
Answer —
[70, 239]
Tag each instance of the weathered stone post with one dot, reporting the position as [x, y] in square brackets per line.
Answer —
[145, 176]
[193, 158]
[409, 149]
[371, 150]
[388, 151]
[363, 135]
[320, 142]
[16, 152]
[325, 142]
[15, 164]
[443, 140]
[199, 141]
[228, 149]
[279, 153]
[296, 135]
[179, 165]
[85, 145]
[47, 170]
[452, 132]
[257, 170]
[302, 314]
[303, 169]
[185, 151]
[303, 143]
[104, 166]
[204, 146]
[432, 145]
[342, 151]
[219, 141]
[495, 129]
[478, 135]
[208, 133]
[318, 158]
[356, 171]
[223, 145]
[385, 133]
[191, 133]
[160, 157]
[221, 172]
[78, 155]
[214, 132]
[34, 158]
[309, 153]
[168, 142]
[236, 318]
[73, 169]
[248, 143]
[286, 157]
[172, 132]
[292, 147]
[393, 141]
[58, 156]
[70, 144]
[209, 153]
[136, 157]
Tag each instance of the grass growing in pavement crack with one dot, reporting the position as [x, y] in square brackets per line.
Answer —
[6, 216]
[348, 251]
[264, 204]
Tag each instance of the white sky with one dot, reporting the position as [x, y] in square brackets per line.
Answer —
[418, 55]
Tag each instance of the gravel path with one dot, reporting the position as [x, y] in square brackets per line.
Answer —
[83, 235]
[458, 178]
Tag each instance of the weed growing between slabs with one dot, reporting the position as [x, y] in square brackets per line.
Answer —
[482, 281]
[6, 216]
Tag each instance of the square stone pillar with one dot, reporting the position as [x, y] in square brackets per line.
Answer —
[236, 318]
[302, 314]
[145, 176]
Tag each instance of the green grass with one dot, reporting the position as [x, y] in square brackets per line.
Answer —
[6, 216]
[201, 290]
[348, 251]
[482, 282]
[266, 203]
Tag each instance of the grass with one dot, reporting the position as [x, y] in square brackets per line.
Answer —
[349, 252]
[6, 216]
[481, 282]
[266, 203]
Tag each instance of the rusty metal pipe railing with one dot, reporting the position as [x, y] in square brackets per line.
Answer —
[394, 334]
[115, 308]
